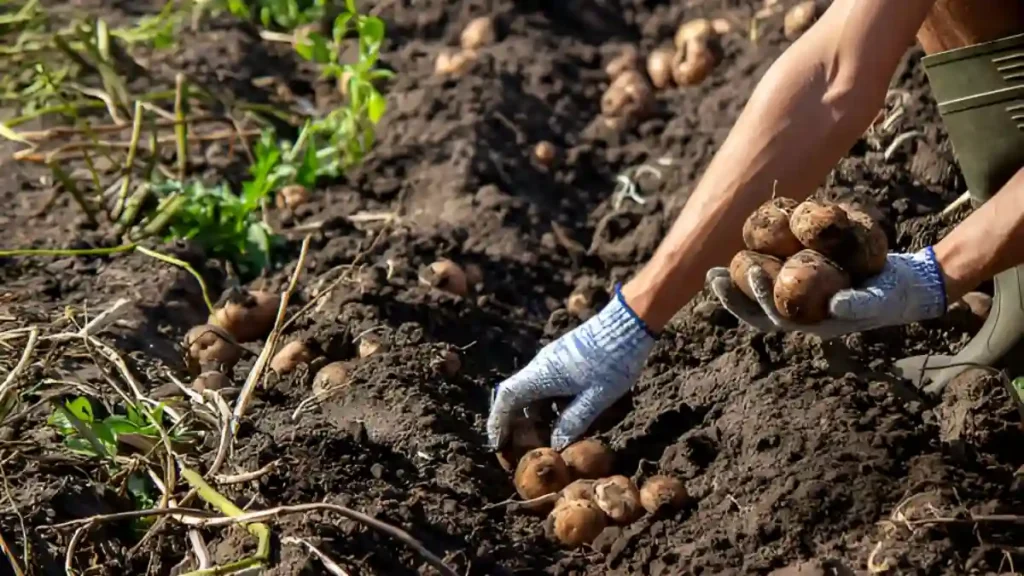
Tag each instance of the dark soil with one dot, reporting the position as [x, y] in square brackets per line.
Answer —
[795, 452]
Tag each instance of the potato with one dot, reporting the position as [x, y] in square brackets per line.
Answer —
[291, 196]
[290, 356]
[823, 227]
[659, 67]
[450, 63]
[629, 96]
[696, 66]
[618, 497]
[721, 26]
[868, 257]
[582, 489]
[541, 471]
[579, 303]
[697, 29]
[767, 229]
[799, 19]
[449, 363]
[331, 377]
[663, 493]
[211, 380]
[742, 262]
[805, 285]
[248, 315]
[445, 275]
[628, 59]
[478, 33]
[577, 522]
[545, 153]
[208, 344]
[588, 458]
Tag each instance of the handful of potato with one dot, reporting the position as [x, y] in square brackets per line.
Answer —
[811, 250]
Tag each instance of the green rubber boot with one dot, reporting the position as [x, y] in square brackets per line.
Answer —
[980, 91]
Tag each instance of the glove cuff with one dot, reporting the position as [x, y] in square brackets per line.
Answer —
[931, 291]
[620, 308]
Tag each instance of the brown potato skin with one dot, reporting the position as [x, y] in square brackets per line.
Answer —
[767, 230]
[697, 64]
[619, 498]
[588, 458]
[539, 472]
[248, 316]
[742, 262]
[663, 492]
[872, 246]
[805, 285]
[577, 490]
[823, 227]
[659, 67]
[578, 522]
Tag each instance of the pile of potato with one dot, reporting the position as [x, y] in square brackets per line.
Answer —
[578, 487]
[811, 250]
[479, 32]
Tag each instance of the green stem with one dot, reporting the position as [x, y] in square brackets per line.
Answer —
[180, 126]
[129, 162]
[69, 185]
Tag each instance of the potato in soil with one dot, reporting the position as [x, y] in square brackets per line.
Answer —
[628, 59]
[478, 33]
[663, 492]
[823, 227]
[618, 497]
[209, 344]
[696, 66]
[525, 434]
[799, 19]
[331, 377]
[659, 66]
[539, 472]
[445, 275]
[577, 522]
[211, 380]
[290, 356]
[767, 229]
[582, 489]
[743, 261]
[871, 246]
[806, 284]
[588, 458]
[248, 315]
[697, 29]
[628, 96]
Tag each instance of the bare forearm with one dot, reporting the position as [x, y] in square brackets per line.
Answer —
[805, 114]
[989, 241]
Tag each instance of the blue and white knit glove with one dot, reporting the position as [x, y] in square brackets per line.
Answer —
[909, 289]
[597, 362]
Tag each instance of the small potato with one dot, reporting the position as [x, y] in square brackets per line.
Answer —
[582, 489]
[823, 227]
[628, 96]
[659, 67]
[208, 344]
[450, 63]
[248, 315]
[696, 66]
[330, 377]
[211, 380]
[742, 262]
[767, 229]
[545, 153]
[806, 284]
[721, 26]
[628, 59]
[525, 434]
[290, 356]
[539, 472]
[478, 33]
[446, 275]
[799, 19]
[292, 196]
[698, 29]
[869, 256]
[618, 497]
[588, 458]
[578, 522]
[663, 493]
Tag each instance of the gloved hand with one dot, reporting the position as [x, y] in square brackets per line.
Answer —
[909, 289]
[597, 362]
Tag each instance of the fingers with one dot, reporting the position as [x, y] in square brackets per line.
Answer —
[857, 305]
[580, 414]
[737, 303]
[542, 378]
[762, 286]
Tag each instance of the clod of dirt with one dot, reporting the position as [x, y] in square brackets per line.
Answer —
[290, 356]
[577, 522]
[449, 363]
[697, 64]
[451, 63]
[805, 286]
[767, 229]
[211, 380]
[478, 33]
[525, 434]
[629, 96]
[292, 196]
[545, 153]
[331, 377]
[210, 345]
[721, 26]
[699, 29]
[589, 458]
[539, 472]
[663, 492]
[248, 315]
[627, 60]
[445, 275]
[619, 498]
[370, 345]
[474, 275]
[659, 67]
[798, 19]
[744, 260]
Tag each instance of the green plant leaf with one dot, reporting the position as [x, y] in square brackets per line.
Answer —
[81, 408]
[376, 106]
[106, 436]
[121, 425]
